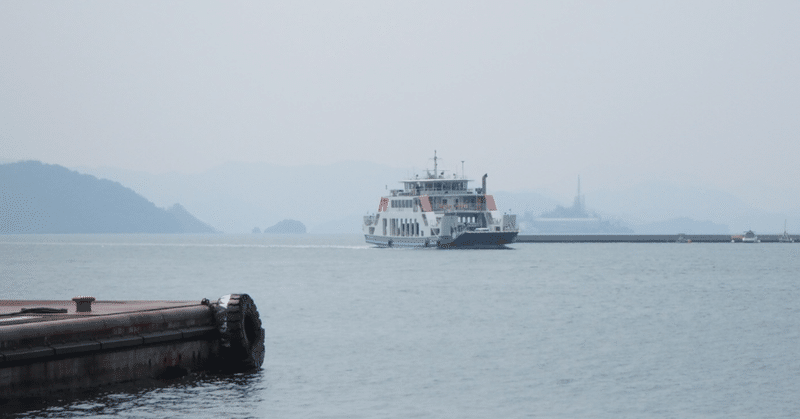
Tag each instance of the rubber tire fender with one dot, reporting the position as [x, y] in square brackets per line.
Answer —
[241, 334]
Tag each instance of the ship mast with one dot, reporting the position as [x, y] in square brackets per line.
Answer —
[435, 166]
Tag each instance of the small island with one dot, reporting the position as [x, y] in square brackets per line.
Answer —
[287, 227]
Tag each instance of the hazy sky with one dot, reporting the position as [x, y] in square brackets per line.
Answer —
[533, 92]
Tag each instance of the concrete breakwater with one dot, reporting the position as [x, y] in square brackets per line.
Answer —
[644, 238]
[48, 346]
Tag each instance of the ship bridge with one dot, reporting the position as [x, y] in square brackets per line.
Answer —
[441, 196]
[419, 187]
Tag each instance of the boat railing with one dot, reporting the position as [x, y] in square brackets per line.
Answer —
[510, 222]
[455, 207]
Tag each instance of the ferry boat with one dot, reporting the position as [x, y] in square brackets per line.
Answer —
[750, 237]
[439, 211]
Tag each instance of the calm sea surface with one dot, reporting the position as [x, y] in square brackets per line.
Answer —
[542, 330]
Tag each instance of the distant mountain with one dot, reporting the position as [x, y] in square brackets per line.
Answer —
[234, 197]
[42, 198]
[333, 198]
[188, 222]
[328, 198]
[287, 227]
[652, 205]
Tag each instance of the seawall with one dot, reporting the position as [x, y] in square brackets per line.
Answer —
[643, 238]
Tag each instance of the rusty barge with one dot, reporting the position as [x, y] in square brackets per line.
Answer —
[48, 346]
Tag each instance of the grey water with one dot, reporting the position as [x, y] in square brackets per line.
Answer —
[612, 330]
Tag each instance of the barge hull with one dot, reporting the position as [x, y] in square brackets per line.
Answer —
[93, 370]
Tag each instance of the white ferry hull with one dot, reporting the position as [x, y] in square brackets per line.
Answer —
[467, 240]
[479, 240]
[388, 241]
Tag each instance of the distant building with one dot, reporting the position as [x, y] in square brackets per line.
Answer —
[573, 220]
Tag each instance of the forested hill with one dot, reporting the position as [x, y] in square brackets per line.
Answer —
[44, 198]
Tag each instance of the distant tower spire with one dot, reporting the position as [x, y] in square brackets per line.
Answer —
[578, 198]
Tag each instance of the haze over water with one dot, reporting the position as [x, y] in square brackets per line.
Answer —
[543, 330]
[701, 94]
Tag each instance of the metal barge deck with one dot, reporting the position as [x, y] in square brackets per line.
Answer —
[48, 346]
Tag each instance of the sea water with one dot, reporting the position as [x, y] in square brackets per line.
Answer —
[541, 330]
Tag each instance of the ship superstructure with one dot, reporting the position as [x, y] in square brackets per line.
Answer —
[439, 211]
